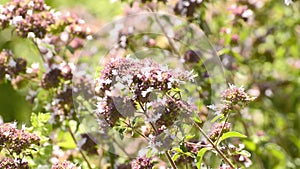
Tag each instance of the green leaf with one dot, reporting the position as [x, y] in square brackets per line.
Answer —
[197, 119]
[188, 137]
[178, 150]
[34, 120]
[250, 145]
[40, 123]
[231, 134]
[176, 156]
[221, 116]
[183, 148]
[200, 157]
[149, 152]
[71, 49]
[66, 140]
[189, 154]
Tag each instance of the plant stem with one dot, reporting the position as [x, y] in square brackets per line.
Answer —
[138, 132]
[145, 113]
[171, 42]
[186, 163]
[170, 160]
[155, 130]
[214, 146]
[121, 148]
[37, 46]
[220, 134]
[243, 123]
[10, 153]
[81, 152]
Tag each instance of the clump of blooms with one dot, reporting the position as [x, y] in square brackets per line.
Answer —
[17, 143]
[142, 163]
[128, 84]
[237, 155]
[15, 69]
[30, 17]
[236, 95]
[33, 18]
[64, 165]
[9, 163]
[56, 36]
[241, 12]
[16, 140]
[231, 97]
[218, 129]
[73, 25]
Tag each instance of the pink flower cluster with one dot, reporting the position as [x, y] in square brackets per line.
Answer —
[133, 83]
[142, 163]
[218, 129]
[9, 163]
[64, 165]
[33, 18]
[16, 140]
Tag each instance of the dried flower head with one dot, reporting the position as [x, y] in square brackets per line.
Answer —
[187, 7]
[51, 79]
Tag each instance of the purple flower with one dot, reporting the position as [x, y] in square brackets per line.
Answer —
[9, 163]
[142, 163]
[16, 140]
[64, 165]
[129, 84]
[218, 129]
[235, 95]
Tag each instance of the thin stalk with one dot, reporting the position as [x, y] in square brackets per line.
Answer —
[10, 153]
[214, 146]
[170, 159]
[116, 142]
[145, 113]
[155, 130]
[171, 42]
[220, 134]
[260, 163]
[37, 46]
[81, 152]
[186, 163]
[243, 123]
[138, 132]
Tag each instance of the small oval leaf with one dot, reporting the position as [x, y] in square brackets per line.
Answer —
[200, 157]
[231, 134]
